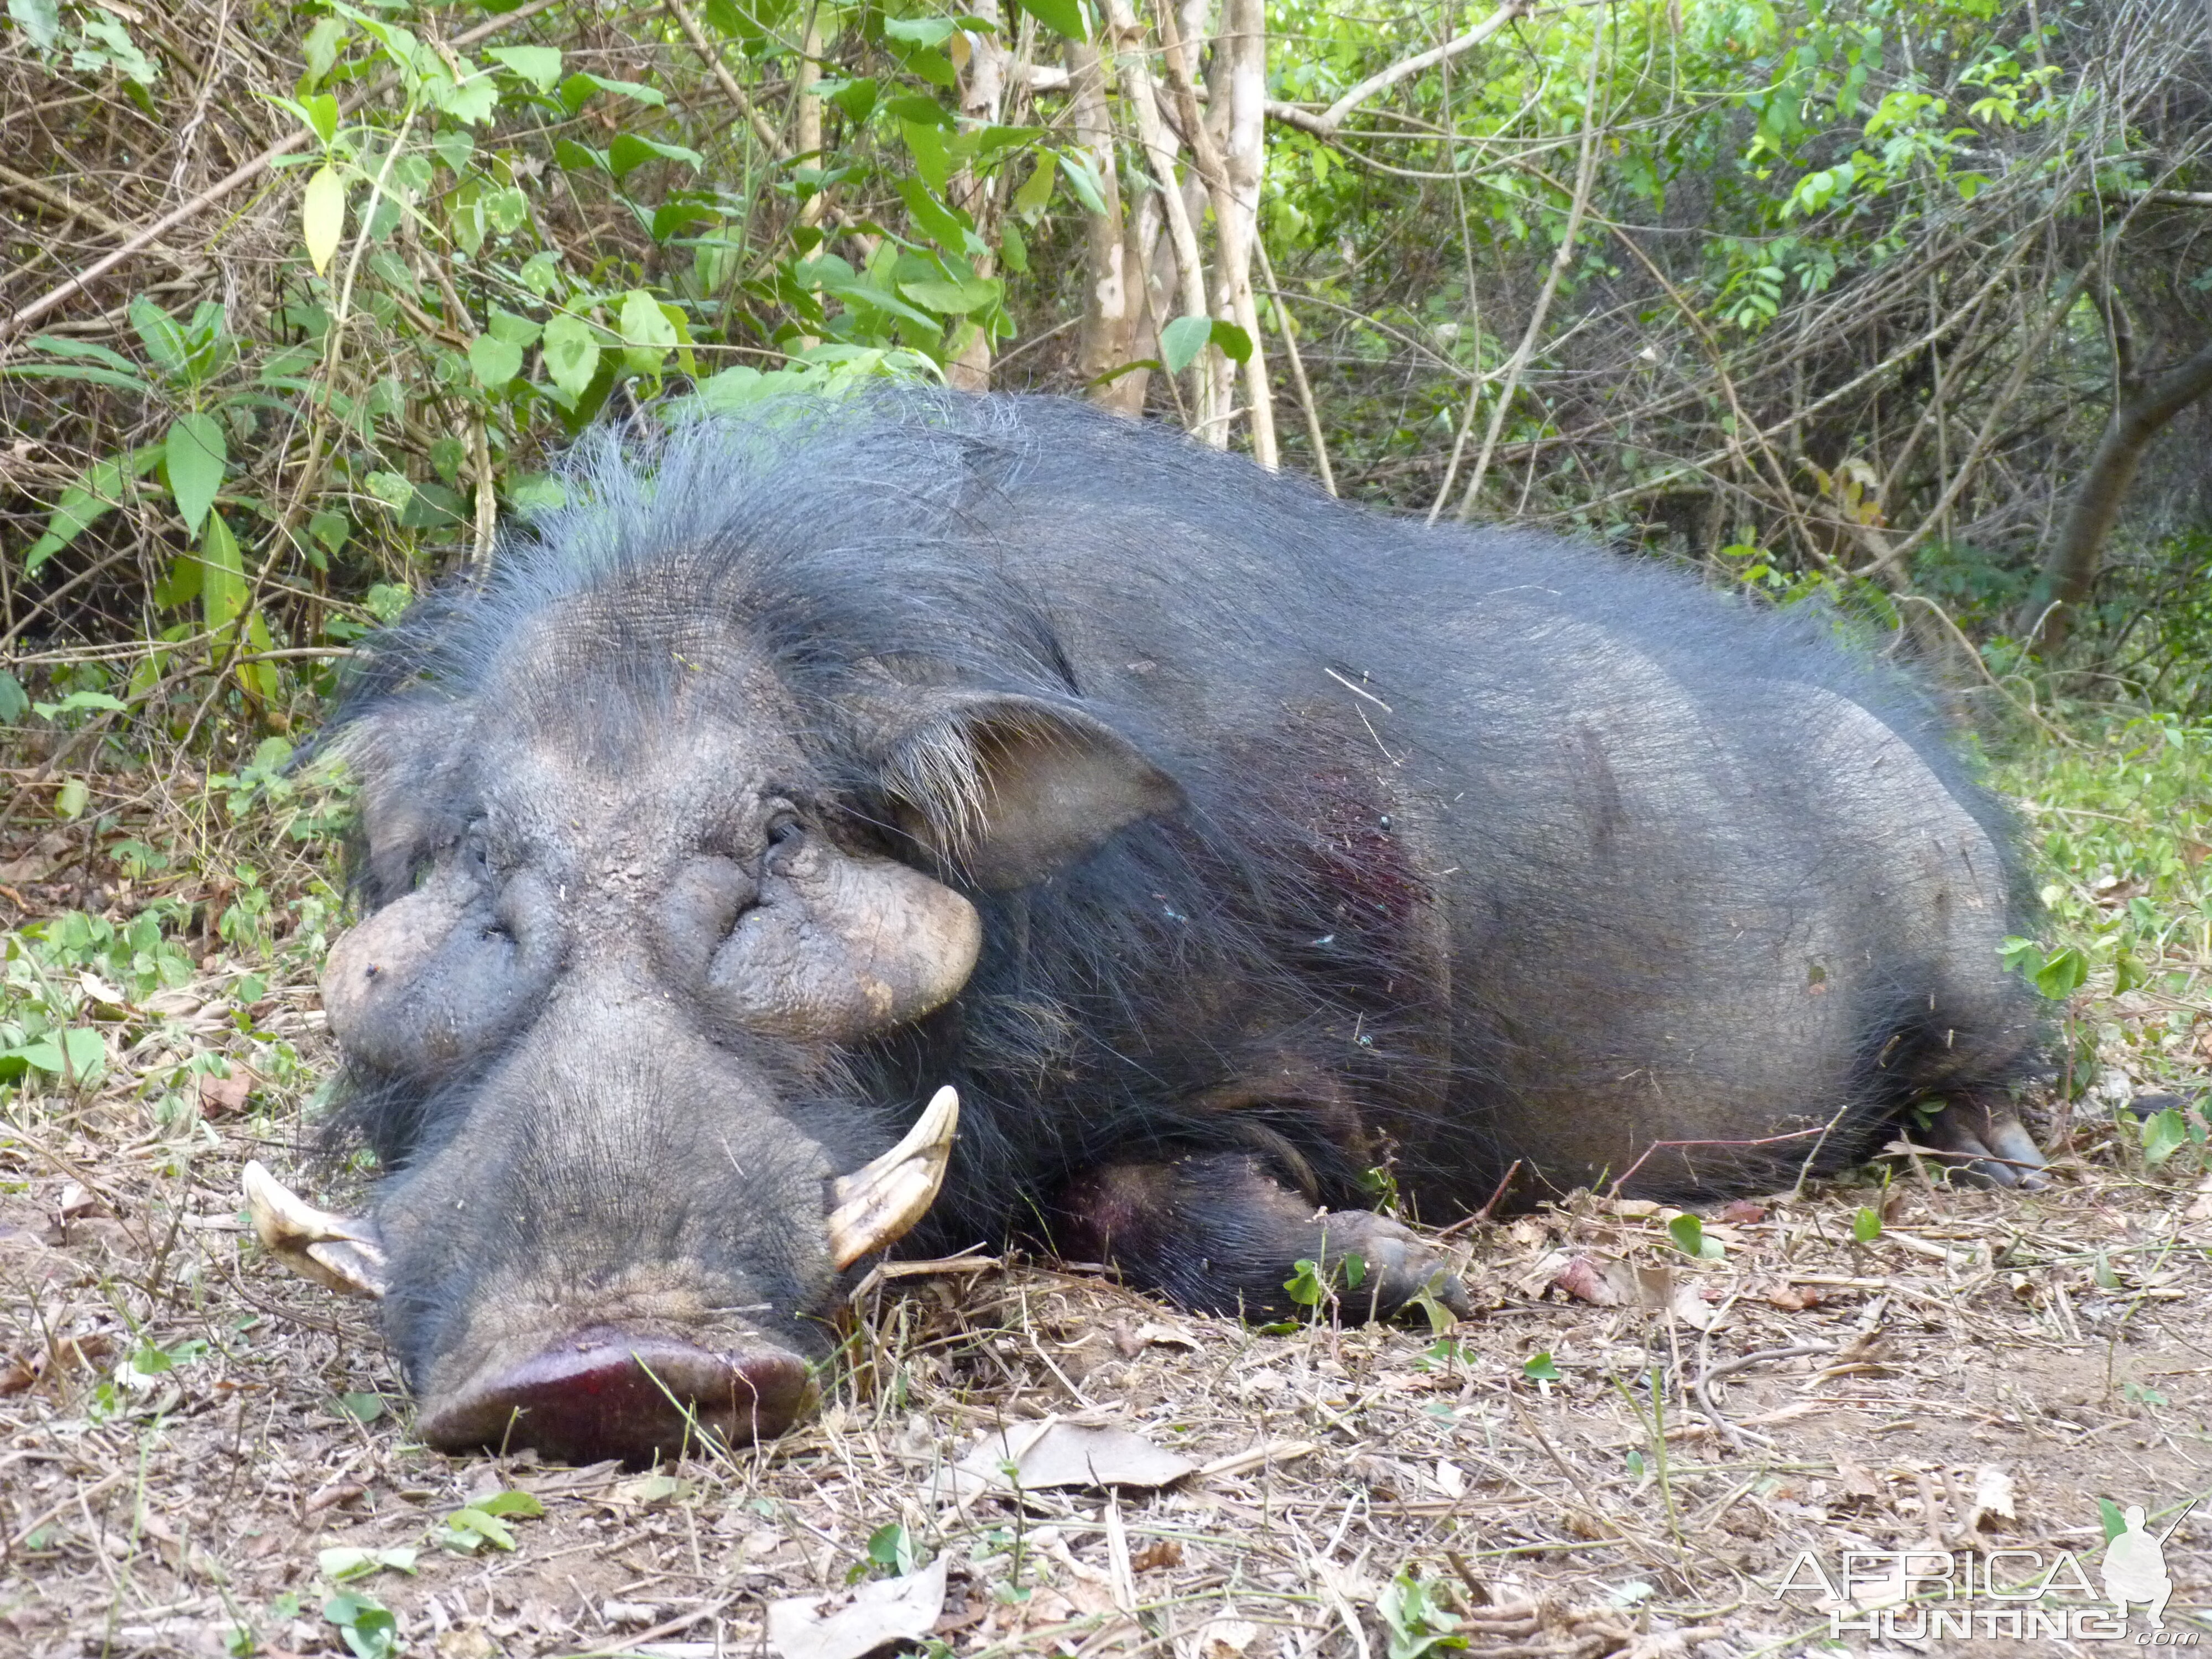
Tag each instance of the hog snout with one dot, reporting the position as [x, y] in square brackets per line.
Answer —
[605, 1393]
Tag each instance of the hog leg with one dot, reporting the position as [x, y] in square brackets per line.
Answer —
[1989, 1143]
[1219, 1234]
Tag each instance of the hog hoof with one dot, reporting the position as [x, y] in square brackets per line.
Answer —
[1986, 1146]
[1400, 1265]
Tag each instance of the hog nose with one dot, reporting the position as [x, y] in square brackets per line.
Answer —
[605, 1393]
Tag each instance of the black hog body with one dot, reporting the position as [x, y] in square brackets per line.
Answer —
[1231, 845]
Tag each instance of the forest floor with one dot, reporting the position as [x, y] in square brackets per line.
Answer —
[1649, 1440]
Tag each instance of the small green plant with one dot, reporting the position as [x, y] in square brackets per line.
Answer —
[484, 1521]
[366, 1624]
[1313, 1287]
[2164, 1133]
[2056, 973]
[1539, 1368]
[1688, 1233]
[1866, 1225]
[342, 1563]
[891, 1553]
[1416, 1620]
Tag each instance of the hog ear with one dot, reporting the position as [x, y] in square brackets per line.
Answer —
[1008, 789]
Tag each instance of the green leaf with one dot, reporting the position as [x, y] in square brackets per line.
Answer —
[473, 1526]
[2063, 974]
[195, 454]
[82, 503]
[2164, 1133]
[922, 112]
[76, 1054]
[363, 1406]
[493, 361]
[919, 31]
[1688, 1233]
[647, 335]
[395, 490]
[1083, 180]
[572, 353]
[321, 48]
[539, 65]
[222, 575]
[1539, 1368]
[857, 99]
[628, 152]
[14, 701]
[518, 331]
[69, 803]
[342, 1562]
[1035, 193]
[1063, 17]
[579, 158]
[1236, 344]
[947, 225]
[80, 700]
[523, 1504]
[1304, 1285]
[162, 337]
[1182, 340]
[320, 110]
[535, 492]
[926, 142]
[85, 373]
[40, 20]
[1866, 1225]
[952, 298]
[322, 216]
[576, 91]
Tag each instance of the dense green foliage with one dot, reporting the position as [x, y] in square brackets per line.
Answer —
[1821, 294]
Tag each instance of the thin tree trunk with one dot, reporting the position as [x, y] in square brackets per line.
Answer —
[1231, 168]
[2144, 404]
[982, 94]
[1141, 93]
[1110, 308]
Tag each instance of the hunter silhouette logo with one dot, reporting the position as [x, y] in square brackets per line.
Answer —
[2135, 1566]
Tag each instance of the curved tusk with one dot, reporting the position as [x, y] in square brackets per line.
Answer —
[344, 1255]
[879, 1201]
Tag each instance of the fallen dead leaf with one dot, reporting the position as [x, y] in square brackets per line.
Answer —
[1227, 1638]
[1058, 1452]
[221, 1096]
[1858, 1480]
[851, 1623]
[1993, 1495]
[1582, 1279]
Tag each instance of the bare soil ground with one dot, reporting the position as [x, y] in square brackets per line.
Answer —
[1626, 1451]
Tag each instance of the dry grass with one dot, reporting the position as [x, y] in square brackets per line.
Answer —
[1978, 1375]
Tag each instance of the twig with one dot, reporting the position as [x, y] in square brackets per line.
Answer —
[243, 175]
[1585, 181]
[1324, 125]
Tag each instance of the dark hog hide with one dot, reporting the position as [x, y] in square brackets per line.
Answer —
[1221, 845]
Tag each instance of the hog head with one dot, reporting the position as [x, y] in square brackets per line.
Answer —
[624, 927]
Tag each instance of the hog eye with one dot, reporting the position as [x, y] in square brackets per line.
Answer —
[785, 833]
